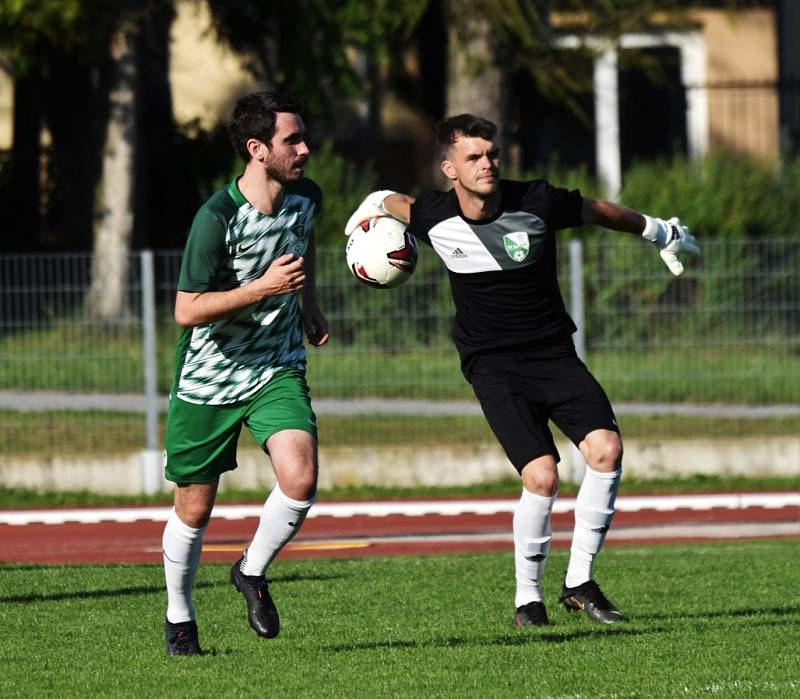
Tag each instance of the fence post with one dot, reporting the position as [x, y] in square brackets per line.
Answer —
[577, 311]
[151, 461]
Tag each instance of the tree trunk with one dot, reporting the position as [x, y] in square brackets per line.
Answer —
[474, 83]
[114, 222]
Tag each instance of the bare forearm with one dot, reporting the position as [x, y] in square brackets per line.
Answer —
[284, 275]
[611, 215]
[192, 308]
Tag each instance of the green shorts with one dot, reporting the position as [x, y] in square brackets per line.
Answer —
[201, 440]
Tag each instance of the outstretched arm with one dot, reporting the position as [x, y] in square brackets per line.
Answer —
[597, 212]
[381, 203]
[669, 236]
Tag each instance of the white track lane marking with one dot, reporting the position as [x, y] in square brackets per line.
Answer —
[409, 508]
[728, 530]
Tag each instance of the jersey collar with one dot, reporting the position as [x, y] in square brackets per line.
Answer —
[235, 194]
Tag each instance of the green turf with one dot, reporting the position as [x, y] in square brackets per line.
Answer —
[59, 433]
[72, 356]
[711, 620]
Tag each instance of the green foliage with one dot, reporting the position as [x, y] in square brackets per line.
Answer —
[382, 27]
[294, 47]
[344, 184]
[724, 195]
[742, 211]
[25, 24]
[381, 627]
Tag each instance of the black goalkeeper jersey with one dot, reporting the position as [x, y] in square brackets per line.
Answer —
[503, 269]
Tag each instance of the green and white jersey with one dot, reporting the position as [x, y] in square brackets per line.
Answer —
[231, 243]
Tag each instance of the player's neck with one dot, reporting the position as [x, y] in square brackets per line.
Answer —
[476, 207]
[264, 193]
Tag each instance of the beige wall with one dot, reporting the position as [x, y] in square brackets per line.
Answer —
[742, 47]
[206, 77]
[6, 110]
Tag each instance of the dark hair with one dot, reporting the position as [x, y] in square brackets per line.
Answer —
[449, 130]
[254, 117]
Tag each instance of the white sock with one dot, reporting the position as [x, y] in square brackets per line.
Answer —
[532, 535]
[594, 509]
[281, 519]
[181, 546]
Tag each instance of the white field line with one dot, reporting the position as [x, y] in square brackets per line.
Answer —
[409, 508]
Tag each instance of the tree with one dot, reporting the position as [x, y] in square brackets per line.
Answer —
[140, 30]
[115, 214]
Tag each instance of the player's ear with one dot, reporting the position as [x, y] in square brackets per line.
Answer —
[256, 148]
[448, 170]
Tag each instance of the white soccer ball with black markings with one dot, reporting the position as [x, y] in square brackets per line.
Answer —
[381, 253]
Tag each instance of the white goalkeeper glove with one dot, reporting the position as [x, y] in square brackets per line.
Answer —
[371, 207]
[671, 238]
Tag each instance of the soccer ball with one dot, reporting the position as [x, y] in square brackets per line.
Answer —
[381, 253]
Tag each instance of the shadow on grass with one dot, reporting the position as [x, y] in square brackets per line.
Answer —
[725, 614]
[92, 594]
[149, 589]
[305, 577]
[524, 637]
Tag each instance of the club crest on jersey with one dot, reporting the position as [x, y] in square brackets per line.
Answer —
[517, 245]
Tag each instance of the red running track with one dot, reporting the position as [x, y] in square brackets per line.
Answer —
[361, 535]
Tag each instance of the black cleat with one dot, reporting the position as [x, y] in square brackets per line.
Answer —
[261, 611]
[531, 614]
[590, 598]
[182, 638]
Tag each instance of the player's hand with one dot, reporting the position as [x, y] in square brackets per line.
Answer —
[315, 325]
[371, 207]
[285, 275]
[671, 238]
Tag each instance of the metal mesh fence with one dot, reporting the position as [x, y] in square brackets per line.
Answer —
[727, 331]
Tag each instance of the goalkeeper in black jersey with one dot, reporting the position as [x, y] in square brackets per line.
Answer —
[497, 239]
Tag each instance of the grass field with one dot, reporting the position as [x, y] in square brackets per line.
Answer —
[721, 620]
[95, 432]
[72, 357]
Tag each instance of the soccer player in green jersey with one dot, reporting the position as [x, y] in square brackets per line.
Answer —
[245, 295]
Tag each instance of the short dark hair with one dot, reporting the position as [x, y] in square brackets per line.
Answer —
[449, 130]
[254, 117]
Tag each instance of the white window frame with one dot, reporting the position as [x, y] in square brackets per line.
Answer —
[691, 47]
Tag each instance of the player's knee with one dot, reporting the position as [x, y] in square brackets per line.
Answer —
[194, 514]
[300, 483]
[541, 477]
[605, 452]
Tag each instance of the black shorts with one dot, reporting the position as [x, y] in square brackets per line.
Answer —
[521, 390]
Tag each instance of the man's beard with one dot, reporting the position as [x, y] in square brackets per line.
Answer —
[282, 176]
